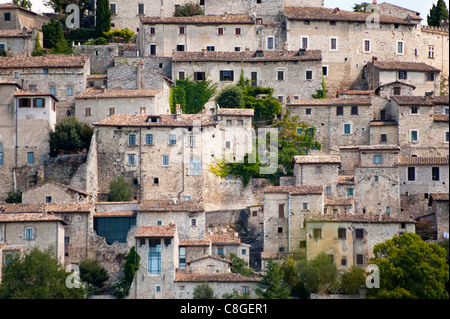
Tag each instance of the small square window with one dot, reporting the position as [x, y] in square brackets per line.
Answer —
[350, 191]
[309, 75]
[339, 110]
[308, 111]
[317, 233]
[280, 230]
[48, 199]
[414, 136]
[414, 110]
[377, 159]
[347, 129]
[383, 138]
[402, 75]
[359, 233]
[354, 110]
[360, 259]
[342, 234]
[305, 206]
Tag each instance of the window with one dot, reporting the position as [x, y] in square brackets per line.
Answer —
[325, 70]
[165, 160]
[328, 190]
[347, 129]
[377, 178]
[447, 137]
[132, 139]
[154, 257]
[113, 8]
[402, 75]
[1, 154]
[359, 259]
[195, 166]
[359, 233]
[400, 47]
[280, 230]
[397, 90]
[87, 111]
[308, 111]
[354, 110]
[318, 169]
[333, 44]
[254, 80]
[431, 52]
[199, 76]
[414, 110]
[430, 76]
[52, 90]
[191, 141]
[181, 30]
[270, 43]
[383, 138]
[281, 210]
[112, 110]
[446, 111]
[39, 102]
[70, 90]
[193, 222]
[7, 16]
[305, 206]
[342, 233]
[181, 75]
[180, 47]
[48, 199]
[350, 191]
[344, 262]
[141, 8]
[367, 46]
[210, 48]
[66, 240]
[435, 174]
[377, 159]
[29, 233]
[414, 136]
[152, 49]
[227, 144]
[131, 160]
[340, 110]
[182, 257]
[309, 75]
[30, 157]
[317, 232]
[220, 31]
[411, 173]
[237, 31]
[226, 75]
[156, 181]
[172, 139]
[152, 30]
[304, 43]
[24, 102]
[220, 251]
[280, 75]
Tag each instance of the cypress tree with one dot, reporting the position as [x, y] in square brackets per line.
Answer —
[438, 12]
[102, 18]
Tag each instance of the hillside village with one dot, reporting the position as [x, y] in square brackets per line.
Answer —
[382, 168]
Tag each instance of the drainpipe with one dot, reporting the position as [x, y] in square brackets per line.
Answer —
[182, 168]
[289, 220]
[16, 101]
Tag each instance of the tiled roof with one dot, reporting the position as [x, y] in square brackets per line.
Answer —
[295, 190]
[412, 100]
[227, 238]
[440, 117]
[379, 147]
[116, 93]
[15, 34]
[332, 102]
[166, 231]
[383, 123]
[422, 161]
[404, 66]
[183, 120]
[235, 112]
[8, 82]
[97, 76]
[50, 207]
[169, 206]
[128, 213]
[211, 257]
[310, 159]
[194, 243]
[346, 179]
[46, 61]
[29, 217]
[327, 14]
[395, 82]
[441, 100]
[200, 19]
[246, 56]
[225, 277]
[21, 92]
[13, 6]
[440, 197]
[361, 218]
[57, 184]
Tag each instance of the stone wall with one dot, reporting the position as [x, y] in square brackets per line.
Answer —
[101, 56]
[63, 167]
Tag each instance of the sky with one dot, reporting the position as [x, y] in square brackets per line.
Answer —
[422, 6]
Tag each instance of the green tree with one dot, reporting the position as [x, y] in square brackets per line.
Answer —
[272, 285]
[360, 7]
[54, 38]
[410, 268]
[289, 272]
[37, 47]
[23, 3]
[438, 12]
[14, 197]
[121, 288]
[204, 291]
[188, 10]
[231, 97]
[352, 280]
[322, 93]
[126, 34]
[316, 275]
[70, 135]
[102, 17]
[120, 190]
[236, 295]
[92, 272]
[36, 275]
[240, 266]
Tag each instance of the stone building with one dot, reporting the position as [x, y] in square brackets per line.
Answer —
[53, 192]
[224, 244]
[19, 42]
[439, 203]
[95, 105]
[13, 17]
[60, 75]
[296, 73]
[349, 239]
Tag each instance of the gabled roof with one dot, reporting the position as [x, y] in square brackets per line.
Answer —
[404, 66]
[91, 93]
[295, 190]
[404, 161]
[170, 206]
[246, 56]
[160, 231]
[13, 6]
[317, 159]
[21, 92]
[200, 19]
[46, 61]
[29, 217]
[235, 112]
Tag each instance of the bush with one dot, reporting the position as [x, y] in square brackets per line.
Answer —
[352, 279]
[120, 190]
[204, 291]
[188, 10]
[121, 288]
[231, 97]
[93, 273]
[70, 135]
[14, 197]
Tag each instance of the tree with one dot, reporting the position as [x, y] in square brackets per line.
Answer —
[438, 12]
[14, 197]
[121, 288]
[235, 295]
[204, 291]
[54, 38]
[352, 280]
[70, 135]
[316, 275]
[360, 7]
[92, 272]
[102, 17]
[289, 272]
[322, 93]
[23, 3]
[37, 47]
[272, 285]
[120, 190]
[231, 97]
[36, 275]
[410, 268]
[188, 10]
[240, 266]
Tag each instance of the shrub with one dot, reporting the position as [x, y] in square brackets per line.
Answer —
[70, 135]
[14, 197]
[93, 273]
[120, 190]
[204, 291]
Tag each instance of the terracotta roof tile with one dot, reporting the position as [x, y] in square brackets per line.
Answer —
[440, 197]
[29, 217]
[227, 238]
[169, 206]
[21, 92]
[46, 61]
[194, 243]
[225, 277]
[166, 231]
[246, 56]
[422, 161]
[346, 179]
[362, 218]
[404, 66]
[327, 14]
[183, 120]
[116, 93]
[332, 102]
[383, 123]
[379, 147]
[200, 19]
[50, 207]
[309, 159]
[412, 100]
[295, 190]
[128, 213]
[440, 117]
[235, 112]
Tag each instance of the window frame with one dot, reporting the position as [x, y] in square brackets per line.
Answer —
[402, 47]
[331, 44]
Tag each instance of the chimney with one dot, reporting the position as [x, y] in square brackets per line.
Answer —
[374, 58]
[204, 52]
[140, 68]
[102, 89]
[374, 2]
[178, 109]
[24, 31]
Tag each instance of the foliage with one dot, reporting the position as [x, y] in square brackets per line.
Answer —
[120, 190]
[81, 35]
[125, 34]
[14, 197]
[204, 291]
[410, 267]
[230, 97]
[322, 93]
[121, 287]
[60, 5]
[272, 285]
[23, 3]
[425, 229]
[70, 135]
[92, 272]
[36, 275]
[37, 48]
[240, 266]
[54, 38]
[360, 7]
[102, 17]
[235, 295]
[3, 53]
[191, 95]
[438, 12]
[352, 279]
[188, 10]
[316, 275]
[289, 272]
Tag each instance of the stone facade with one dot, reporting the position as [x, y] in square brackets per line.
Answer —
[53, 192]
[19, 18]
[440, 208]
[20, 42]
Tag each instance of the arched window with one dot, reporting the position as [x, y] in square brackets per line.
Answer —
[1, 153]
[195, 166]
